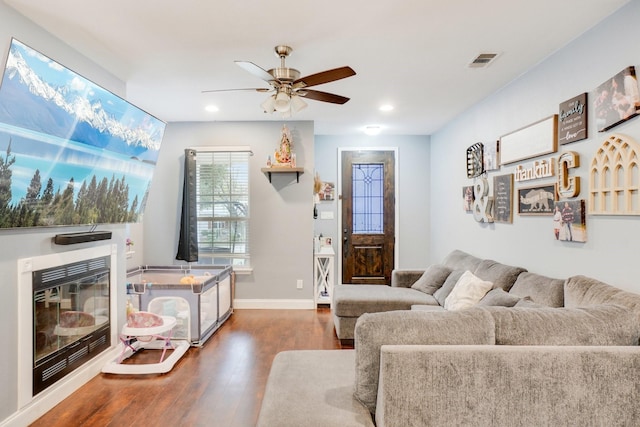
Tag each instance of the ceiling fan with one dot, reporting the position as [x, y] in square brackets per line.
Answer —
[288, 87]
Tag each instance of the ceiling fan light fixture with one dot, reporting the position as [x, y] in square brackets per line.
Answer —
[282, 102]
[269, 104]
[297, 104]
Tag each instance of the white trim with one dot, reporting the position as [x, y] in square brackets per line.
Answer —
[396, 248]
[274, 304]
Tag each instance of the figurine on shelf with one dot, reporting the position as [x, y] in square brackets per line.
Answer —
[283, 153]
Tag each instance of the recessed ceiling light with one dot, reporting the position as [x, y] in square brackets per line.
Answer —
[372, 130]
[212, 108]
[386, 107]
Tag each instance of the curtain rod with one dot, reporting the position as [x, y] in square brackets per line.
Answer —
[219, 148]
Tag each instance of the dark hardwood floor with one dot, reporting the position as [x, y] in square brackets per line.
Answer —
[219, 384]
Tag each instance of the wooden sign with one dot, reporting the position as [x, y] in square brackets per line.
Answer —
[503, 198]
[534, 140]
[572, 120]
[536, 200]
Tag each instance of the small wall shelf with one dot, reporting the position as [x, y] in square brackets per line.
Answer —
[271, 170]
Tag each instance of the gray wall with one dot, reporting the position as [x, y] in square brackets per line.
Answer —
[611, 251]
[16, 244]
[413, 198]
[281, 229]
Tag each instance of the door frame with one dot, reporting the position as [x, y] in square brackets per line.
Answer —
[396, 246]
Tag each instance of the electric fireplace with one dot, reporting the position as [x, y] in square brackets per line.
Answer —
[67, 306]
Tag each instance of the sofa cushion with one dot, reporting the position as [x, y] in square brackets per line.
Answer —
[501, 275]
[594, 325]
[441, 294]
[473, 326]
[354, 300]
[459, 260]
[542, 290]
[432, 279]
[527, 302]
[499, 297]
[467, 292]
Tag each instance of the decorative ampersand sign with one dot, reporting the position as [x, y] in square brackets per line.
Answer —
[483, 203]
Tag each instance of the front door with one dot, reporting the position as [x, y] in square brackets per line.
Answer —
[368, 217]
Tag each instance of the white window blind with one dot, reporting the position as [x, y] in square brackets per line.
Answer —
[222, 200]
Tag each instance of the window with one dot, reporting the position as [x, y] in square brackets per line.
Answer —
[222, 201]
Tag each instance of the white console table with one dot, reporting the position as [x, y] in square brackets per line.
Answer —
[323, 277]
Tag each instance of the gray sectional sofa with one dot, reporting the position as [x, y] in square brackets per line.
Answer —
[533, 352]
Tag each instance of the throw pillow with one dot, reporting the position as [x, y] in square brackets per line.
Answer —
[467, 292]
[499, 297]
[542, 289]
[432, 279]
[441, 294]
[527, 302]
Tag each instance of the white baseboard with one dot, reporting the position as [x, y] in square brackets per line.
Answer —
[47, 399]
[274, 304]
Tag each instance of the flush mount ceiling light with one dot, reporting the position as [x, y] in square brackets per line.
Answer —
[386, 107]
[289, 87]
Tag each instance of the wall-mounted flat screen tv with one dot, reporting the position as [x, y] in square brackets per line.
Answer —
[71, 152]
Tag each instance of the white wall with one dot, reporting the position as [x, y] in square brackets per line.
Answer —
[611, 251]
[281, 229]
[16, 244]
[413, 183]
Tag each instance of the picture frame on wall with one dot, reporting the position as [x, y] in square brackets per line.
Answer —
[491, 155]
[573, 120]
[503, 198]
[538, 200]
[569, 221]
[467, 198]
[535, 140]
[475, 162]
[617, 100]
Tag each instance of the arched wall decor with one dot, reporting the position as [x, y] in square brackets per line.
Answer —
[614, 177]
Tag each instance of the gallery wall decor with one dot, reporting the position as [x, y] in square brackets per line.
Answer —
[569, 216]
[536, 200]
[491, 155]
[573, 120]
[535, 170]
[71, 152]
[535, 140]
[614, 177]
[617, 100]
[503, 198]
[568, 186]
[467, 198]
[482, 203]
[475, 163]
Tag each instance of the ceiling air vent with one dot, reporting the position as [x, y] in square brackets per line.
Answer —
[483, 60]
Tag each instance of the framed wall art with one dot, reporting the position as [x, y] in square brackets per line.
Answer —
[569, 221]
[617, 100]
[537, 200]
[535, 140]
[475, 163]
[503, 198]
[491, 156]
[572, 120]
[467, 198]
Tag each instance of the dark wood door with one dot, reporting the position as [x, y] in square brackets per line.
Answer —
[368, 216]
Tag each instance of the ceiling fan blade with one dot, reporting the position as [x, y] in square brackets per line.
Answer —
[257, 71]
[324, 77]
[256, 89]
[322, 96]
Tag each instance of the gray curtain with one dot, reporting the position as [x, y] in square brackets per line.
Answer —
[188, 241]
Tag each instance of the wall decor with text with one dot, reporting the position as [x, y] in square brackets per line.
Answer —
[535, 140]
[503, 198]
[572, 120]
[536, 200]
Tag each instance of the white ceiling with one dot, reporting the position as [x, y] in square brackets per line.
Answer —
[412, 54]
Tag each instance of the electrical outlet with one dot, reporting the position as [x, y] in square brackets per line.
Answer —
[299, 284]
